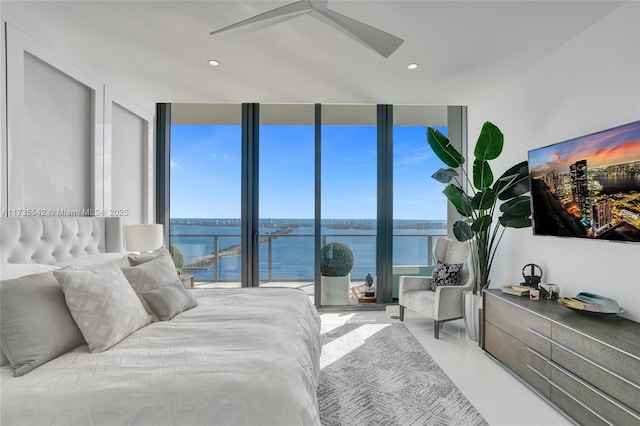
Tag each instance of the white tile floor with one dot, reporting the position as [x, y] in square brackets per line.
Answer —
[498, 396]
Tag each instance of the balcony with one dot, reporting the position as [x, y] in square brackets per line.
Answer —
[287, 259]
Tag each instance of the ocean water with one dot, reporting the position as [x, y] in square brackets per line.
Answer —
[291, 256]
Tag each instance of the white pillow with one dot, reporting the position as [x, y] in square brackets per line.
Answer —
[103, 305]
[9, 271]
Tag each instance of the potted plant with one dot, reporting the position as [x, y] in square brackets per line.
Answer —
[178, 258]
[336, 262]
[483, 195]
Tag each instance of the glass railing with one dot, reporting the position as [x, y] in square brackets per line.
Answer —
[288, 257]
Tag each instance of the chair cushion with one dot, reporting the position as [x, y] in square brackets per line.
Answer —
[446, 274]
[422, 301]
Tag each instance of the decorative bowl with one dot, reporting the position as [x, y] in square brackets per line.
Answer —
[591, 304]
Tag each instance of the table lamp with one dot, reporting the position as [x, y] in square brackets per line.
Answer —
[143, 238]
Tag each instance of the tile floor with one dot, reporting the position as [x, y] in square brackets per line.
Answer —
[499, 397]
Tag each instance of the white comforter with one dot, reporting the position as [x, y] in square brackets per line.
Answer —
[242, 357]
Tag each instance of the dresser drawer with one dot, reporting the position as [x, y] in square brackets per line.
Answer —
[597, 372]
[518, 323]
[515, 355]
[586, 400]
[611, 359]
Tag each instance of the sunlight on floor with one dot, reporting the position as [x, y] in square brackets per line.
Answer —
[330, 322]
[336, 349]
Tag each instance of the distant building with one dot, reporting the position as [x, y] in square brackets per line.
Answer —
[602, 214]
[580, 187]
[631, 214]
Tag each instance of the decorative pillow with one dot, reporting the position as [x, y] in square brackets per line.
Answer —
[446, 274]
[103, 304]
[139, 259]
[170, 300]
[155, 273]
[35, 324]
[151, 275]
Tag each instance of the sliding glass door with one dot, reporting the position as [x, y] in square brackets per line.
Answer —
[286, 196]
[349, 197]
[206, 147]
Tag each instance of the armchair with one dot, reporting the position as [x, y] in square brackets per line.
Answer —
[446, 302]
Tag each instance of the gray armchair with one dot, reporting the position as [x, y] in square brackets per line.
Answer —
[446, 302]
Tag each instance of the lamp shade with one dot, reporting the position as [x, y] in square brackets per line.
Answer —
[143, 237]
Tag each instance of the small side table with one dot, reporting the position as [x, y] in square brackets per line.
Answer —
[187, 280]
[358, 294]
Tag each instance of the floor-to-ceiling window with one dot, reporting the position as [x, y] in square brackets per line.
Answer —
[286, 196]
[205, 191]
[419, 208]
[317, 176]
[349, 191]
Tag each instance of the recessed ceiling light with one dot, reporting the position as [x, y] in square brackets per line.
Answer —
[213, 62]
[412, 66]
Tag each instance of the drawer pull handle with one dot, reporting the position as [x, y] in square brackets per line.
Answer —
[542, 376]
[577, 401]
[592, 389]
[538, 354]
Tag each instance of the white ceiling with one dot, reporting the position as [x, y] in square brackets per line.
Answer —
[160, 48]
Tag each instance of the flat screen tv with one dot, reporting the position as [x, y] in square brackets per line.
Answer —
[588, 187]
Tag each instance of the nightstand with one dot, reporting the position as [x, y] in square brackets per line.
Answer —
[187, 280]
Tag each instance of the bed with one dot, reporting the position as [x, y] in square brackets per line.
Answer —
[240, 357]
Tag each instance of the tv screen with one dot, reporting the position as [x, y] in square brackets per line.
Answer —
[588, 187]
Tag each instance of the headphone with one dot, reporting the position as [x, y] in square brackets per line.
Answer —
[533, 279]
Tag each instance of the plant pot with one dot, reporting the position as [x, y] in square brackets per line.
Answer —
[334, 290]
[472, 307]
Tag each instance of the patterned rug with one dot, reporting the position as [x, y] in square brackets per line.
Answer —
[378, 374]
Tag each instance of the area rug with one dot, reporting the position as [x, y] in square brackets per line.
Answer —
[386, 379]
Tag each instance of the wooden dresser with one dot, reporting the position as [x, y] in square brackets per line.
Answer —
[587, 367]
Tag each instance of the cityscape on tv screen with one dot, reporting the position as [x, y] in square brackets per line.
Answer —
[589, 187]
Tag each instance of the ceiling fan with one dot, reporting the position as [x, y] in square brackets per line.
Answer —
[377, 40]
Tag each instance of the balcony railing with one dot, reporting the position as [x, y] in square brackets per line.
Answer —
[212, 261]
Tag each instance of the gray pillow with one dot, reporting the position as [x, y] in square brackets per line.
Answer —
[103, 304]
[35, 324]
[170, 300]
[151, 275]
[139, 259]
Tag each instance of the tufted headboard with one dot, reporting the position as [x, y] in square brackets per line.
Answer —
[51, 240]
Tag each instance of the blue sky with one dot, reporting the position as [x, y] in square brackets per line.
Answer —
[205, 172]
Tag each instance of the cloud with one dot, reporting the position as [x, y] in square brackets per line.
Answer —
[224, 157]
[173, 164]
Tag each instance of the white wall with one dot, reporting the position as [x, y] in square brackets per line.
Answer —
[106, 168]
[592, 83]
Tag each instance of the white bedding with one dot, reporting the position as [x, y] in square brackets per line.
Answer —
[242, 357]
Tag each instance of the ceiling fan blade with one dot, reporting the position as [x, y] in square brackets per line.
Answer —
[266, 19]
[377, 40]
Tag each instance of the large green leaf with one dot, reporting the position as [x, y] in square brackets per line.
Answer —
[443, 148]
[483, 200]
[490, 142]
[462, 231]
[515, 221]
[444, 175]
[518, 206]
[482, 174]
[459, 199]
[481, 224]
[513, 182]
